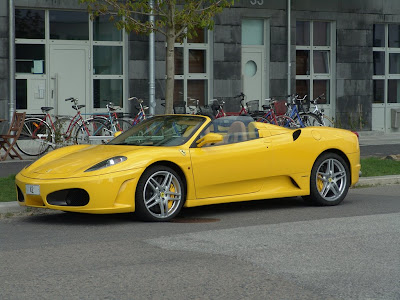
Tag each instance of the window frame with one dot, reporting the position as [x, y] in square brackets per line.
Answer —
[387, 75]
[187, 76]
[311, 48]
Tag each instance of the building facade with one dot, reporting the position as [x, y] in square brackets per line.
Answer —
[347, 50]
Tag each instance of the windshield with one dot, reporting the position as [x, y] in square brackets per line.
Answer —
[161, 131]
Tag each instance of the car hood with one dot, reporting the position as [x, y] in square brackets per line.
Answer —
[75, 160]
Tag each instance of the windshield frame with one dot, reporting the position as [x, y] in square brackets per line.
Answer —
[172, 129]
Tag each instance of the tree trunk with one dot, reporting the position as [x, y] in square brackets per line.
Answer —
[169, 93]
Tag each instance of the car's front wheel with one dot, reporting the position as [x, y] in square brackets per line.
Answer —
[160, 194]
[330, 180]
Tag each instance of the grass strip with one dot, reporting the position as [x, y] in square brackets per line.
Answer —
[7, 189]
[374, 166]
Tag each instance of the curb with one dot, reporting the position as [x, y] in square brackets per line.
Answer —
[13, 207]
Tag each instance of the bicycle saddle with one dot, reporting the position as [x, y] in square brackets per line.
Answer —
[76, 107]
[46, 108]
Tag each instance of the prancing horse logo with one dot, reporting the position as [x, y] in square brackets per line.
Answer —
[182, 152]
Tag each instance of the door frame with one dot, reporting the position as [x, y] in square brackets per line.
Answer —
[265, 68]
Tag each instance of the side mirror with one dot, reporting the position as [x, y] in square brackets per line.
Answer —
[117, 133]
[209, 138]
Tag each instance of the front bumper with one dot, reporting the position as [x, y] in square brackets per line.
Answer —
[108, 193]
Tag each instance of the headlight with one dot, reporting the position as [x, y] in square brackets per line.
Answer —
[107, 163]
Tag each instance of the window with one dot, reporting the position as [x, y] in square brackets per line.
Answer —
[29, 24]
[314, 55]
[192, 68]
[69, 25]
[29, 58]
[386, 63]
[37, 30]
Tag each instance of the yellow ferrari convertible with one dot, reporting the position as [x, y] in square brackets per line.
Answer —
[167, 162]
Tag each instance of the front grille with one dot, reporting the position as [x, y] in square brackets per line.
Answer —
[69, 197]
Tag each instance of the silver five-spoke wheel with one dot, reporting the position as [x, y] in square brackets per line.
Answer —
[329, 181]
[160, 194]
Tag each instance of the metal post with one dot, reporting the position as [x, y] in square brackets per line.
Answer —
[289, 42]
[11, 59]
[152, 85]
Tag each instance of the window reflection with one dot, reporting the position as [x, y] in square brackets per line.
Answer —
[107, 60]
[302, 33]
[29, 58]
[29, 24]
[107, 90]
[394, 91]
[22, 93]
[394, 63]
[321, 34]
[178, 91]
[379, 63]
[178, 60]
[303, 88]
[104, 30]
[197, 61]
[321, 62]
[200, 36]
[321, 87]
[69, 25]
[394, 35]
[197, 89]
[302, 62]
[379, 35]
[379, 91]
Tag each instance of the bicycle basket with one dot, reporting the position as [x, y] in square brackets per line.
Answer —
[253, 106]
[280, 107]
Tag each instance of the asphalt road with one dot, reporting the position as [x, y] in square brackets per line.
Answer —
[273, 249]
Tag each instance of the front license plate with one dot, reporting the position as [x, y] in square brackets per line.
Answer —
[32, 189]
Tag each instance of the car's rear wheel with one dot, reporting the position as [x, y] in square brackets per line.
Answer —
[160, 194]
[330, 180]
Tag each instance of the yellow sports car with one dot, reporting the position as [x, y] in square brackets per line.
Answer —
[167, 162]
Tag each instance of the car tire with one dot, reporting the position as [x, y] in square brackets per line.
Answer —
[330, 180]
[160, 194]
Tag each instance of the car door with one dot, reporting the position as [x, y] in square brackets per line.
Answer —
[232, 169]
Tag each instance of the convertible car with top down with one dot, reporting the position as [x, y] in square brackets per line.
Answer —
[172, 161]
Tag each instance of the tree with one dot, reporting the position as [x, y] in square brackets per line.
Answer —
[175, 19]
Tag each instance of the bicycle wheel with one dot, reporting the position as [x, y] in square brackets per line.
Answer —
[93, 132]
[286, 121]
[326, 121]
[310, 119]
[122, 124]
[36, 137]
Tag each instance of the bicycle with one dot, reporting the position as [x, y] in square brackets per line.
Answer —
[302, 118]
[41, 133]
[196, 109]
[272, 116]
[141, 115]
[325, 120]
[218, 108]
[102, 126]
